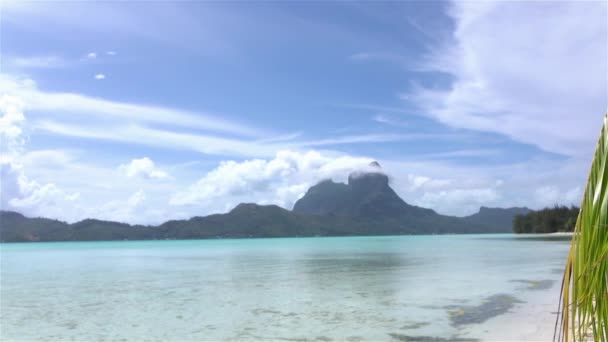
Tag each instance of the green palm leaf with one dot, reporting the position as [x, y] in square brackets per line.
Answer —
[584, 297]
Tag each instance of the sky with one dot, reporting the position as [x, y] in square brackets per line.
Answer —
[147, 111]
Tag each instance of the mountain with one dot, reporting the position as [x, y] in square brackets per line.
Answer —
[15, 227]
[366, 205]
[497, 218]
[367, 194]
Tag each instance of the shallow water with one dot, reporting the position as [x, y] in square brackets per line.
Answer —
[353, 288]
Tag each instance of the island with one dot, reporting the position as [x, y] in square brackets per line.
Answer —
[366, 205]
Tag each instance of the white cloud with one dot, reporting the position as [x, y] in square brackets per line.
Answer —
[280, 180]
[82, 116]
[380, 57]
[535, 82]
[89, 190]
[21, 63]
[100, 76]
[127, 210]
[17, 191]
[136, 134]
[11, 142]
[471, 198]
[551, 195]
[209, 144]
[11, 137]
[542, 81]
[476, 152]
[33, 198]
[423, 182]
[46, 158]
[384, 119]
[143, 167]
[417, 181]
[111, 53]
[363, 138]
[460, 189]
[447, 188]
[53, 183]
[65, 105]
[39, 62]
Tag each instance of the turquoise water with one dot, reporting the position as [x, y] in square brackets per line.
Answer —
[355, 288]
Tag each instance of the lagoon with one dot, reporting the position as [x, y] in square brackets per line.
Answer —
[452, 287]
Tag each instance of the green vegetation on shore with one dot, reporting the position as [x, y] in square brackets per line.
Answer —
[548, 220]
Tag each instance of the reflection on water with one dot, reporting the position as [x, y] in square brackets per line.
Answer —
[370, 288]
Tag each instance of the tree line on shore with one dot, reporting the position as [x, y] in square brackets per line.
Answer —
[548, 220]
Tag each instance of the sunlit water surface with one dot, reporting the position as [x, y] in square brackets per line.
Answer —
[354, 288]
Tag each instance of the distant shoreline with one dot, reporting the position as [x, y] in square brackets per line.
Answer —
[547, 236]
[264, 221]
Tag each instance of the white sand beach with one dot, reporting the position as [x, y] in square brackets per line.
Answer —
[533, 320]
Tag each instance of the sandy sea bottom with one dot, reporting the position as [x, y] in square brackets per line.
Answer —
[407, 288]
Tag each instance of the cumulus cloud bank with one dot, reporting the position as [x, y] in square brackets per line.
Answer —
[17, 191]
[20, 192]
[130, 209]
[534, 71]
[280, 180]
[143, 167]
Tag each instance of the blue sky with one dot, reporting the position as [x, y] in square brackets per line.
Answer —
[143, 111]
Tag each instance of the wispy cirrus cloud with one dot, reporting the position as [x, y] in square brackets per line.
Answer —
[375, 108]
[209, 144]
[358, 139]
[388, 120]
[68, 104]
[81, 116]
[53, 61]
[159, 138]
[381, 57]
[38, 62]
[477, 152]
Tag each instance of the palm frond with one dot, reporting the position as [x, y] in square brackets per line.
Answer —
[584, 297]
